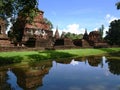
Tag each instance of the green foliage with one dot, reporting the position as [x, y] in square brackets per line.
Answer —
[101, 29]
[113, 35]
[73, 36]
[10, 35]
[15, 8]
[49, 23]
[118, 5]
[8, 8]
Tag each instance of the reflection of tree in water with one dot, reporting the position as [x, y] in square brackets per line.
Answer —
[12, 80]
[114, 66]
[95, 61]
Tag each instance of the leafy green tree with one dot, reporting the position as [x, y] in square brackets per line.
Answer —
[20, 12]
[10, 8]
[49, 23]
[14, 8]
[101, 29]
[73, 36]
[118, 5]
[113, 35]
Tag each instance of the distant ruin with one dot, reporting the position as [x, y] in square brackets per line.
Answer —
[38, 34]
[93, 39]
[61, 41]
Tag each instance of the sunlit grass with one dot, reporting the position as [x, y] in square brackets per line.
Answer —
[17, 53]
[56, 54]
[88, 52]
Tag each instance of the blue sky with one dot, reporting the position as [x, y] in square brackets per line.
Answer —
[76, 15]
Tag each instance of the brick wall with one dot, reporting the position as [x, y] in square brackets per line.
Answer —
[5, 43]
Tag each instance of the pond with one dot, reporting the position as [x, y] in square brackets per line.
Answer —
[87, 73]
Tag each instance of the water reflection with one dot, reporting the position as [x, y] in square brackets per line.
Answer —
[12, 80]
[88, 73]
[114, 66]
[24, 77]
[95, 61]
[91, 73]
[73, 62]
[31, 77]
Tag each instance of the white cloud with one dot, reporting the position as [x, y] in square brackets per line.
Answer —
[73, 62]
[96, 29]
[72, 28]
[110, 18]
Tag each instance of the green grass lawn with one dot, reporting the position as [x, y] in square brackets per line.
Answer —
[54, 54]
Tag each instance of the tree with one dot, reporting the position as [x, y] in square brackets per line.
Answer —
[118, 5]
[14, 8]
[113, 35]
[49, 23]
[85, 36]
[10, 8]
[73, 36]
[101, 29]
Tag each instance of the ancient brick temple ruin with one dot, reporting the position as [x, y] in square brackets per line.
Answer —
[61, 42]
[96, 40]
[4, 41]
[93, 39]
[37, 33]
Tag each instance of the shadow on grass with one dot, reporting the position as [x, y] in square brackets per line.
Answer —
[115, 54]
[112, 52]
[49, 54]
[10, 60]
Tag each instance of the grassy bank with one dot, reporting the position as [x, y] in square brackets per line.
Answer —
[54, 54]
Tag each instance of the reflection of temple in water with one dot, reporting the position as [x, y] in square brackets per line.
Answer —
[92, 60]
[95, 61]
[64, 61]
[30, 78]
